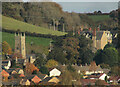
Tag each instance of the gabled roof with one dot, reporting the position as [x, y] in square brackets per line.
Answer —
[36, 79]
[4, 73]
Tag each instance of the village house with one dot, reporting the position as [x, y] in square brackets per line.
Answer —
[100, 76]
[33, 78]
[11, 71]
[88, 69]
[99, 38]
[54, 72]
[114, 79]
[24, 82]
[19, 71]
[54, 80]
[6, 64]
[5, 75]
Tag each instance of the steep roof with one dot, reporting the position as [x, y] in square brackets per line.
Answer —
[99, 35]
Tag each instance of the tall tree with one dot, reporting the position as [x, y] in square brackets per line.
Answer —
[6, 49]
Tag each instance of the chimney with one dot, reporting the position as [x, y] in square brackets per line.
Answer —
[94, 32]
[98, 29]
[16, 60]
[78, 32]
[90, 29]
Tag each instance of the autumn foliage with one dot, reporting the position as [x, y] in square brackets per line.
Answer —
[30, 68]
[51, 63]
[6, 49]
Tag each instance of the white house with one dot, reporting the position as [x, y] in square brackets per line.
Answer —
[100, 76]
[6, 64]
[55, 72]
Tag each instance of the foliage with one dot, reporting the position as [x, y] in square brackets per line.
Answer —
[99, 17]
[70, 46]
[40, 61]
[104, 66]
[115, 70]
[70, 68]
[30, 68]
[66, 78]
[57, 54]
[107, 56]
[51, 63]
[108, 45]
[6, 49]
[44, 70]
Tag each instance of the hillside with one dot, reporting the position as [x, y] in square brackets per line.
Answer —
[97, 18]
[46, 15]
[12, 24]
[40, 45]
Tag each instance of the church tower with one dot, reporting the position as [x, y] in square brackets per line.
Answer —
[20, 44]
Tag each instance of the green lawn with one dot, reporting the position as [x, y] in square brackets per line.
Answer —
[35, 40]
[12, 24]
[99, 17]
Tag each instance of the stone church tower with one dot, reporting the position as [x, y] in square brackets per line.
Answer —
[20, 44]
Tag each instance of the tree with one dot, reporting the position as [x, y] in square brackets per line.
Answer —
[57, 54]
[70, 46]
[6, 49]
[108, 45]
[98, 57]
[107, 56]
[115, 70]
[44, 70]
[70, 68]
[66, 78]
[51, 63]
[40, 61]
[111, 56]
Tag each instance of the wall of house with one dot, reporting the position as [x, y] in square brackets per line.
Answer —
[103, 40]
[98, 44]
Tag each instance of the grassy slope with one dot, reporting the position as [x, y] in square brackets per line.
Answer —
[12, 24]
[39, 44]
[99, 17]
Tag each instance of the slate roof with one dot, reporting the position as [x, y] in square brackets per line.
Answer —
[10, 70]
[5, 62]
[47, 79]
[99, 35]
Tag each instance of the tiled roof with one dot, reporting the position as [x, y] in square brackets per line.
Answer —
[88, 81]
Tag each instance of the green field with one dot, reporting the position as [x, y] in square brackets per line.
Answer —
[12, 24]
[35, 40]
[99, 17]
